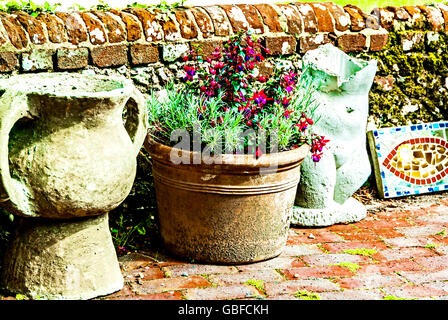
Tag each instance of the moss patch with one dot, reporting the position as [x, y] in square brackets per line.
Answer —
[305, 295]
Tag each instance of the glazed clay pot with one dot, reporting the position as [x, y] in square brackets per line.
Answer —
[68, 147]
[234, 212]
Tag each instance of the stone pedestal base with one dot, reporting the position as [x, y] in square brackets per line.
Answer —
[351, 211]
[62, 259]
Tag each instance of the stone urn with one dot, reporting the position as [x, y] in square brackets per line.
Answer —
[342, 83]
[68, 147]
[225, 209]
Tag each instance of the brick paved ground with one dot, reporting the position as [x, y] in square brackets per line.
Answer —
[404, 254]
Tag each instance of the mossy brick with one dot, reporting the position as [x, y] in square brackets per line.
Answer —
[308, 17]
[72, 58]
[351, 42]
[16, 33]
[96, 31]
[385, 17]
[324, 18]
[270, 17]
[76, 31]
[115, 32]
[340, 17]
[417, 19]
[144, 53]
[252, 17]
[133, 27]
[152, 30]
[444, 10]
[37, 59]
[218, 17]
[236, 17]
[109, 56]
[293, 20]
[188, 29]
[54, 26]
[8, 61]
[32, 26]
[170, 30]
[433, 16]
[203, 21]
[206, 48]
[357, 22]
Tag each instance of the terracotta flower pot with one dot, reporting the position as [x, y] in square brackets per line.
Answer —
[234, 212]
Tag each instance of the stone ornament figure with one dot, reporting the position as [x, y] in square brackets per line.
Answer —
[342, 85]
[68, 148]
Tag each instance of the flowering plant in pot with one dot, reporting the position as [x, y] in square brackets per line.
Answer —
[226, 149]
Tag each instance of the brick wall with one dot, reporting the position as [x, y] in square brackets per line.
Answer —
[134, 37]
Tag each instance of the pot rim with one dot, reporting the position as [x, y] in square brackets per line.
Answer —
[18, 83]
[162, 153]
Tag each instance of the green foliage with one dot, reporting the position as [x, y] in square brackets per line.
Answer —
[362, 252]
[259, 284]
[29, 7]
[305, 295]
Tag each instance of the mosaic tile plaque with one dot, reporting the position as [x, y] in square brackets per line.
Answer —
[410, 159]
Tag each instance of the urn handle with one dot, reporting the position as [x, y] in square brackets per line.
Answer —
[135, 117]
[13, 195]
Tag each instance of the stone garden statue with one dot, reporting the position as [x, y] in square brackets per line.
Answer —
[68, 147]
[324, 193]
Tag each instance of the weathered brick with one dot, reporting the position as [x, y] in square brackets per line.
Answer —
[378, 41]
[324, 19]
[406, 253]
[15, 32]
[300, 250]
[197, 269]
[132, 24]
[8, 61]
[433, 262]
[415, 14]
[94, 27]
[242, 277]
[318, 236]
[203, 21]
[206, 48]
[72, 58]
[32, 26]
[316, 272]
[115, 32]
[340, 17]
[399, 12]
[252, 17]
[221, 25]
[222, 293]
[173, 295]
[281, 45]
[351, 42]
[293, 19]
[55, 27]
[145, 274]
[386, 267]
[444, 10]
[341, 246]
[357, 21]
[321, 260]
[152, 30]
[76, 31]
[236, 18]
[168, 25]
[173, 51]
[418, 277]
[434, 17]
[109, 56]
[370, 281]
[308, 17]
[188, 29]
[352, 295]
[270, 17]
[37, 59]
[385, 17]
[279, 262]
[292, 286]
[144, 53]
[420, 231]
[170, 284]
[409, 291]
